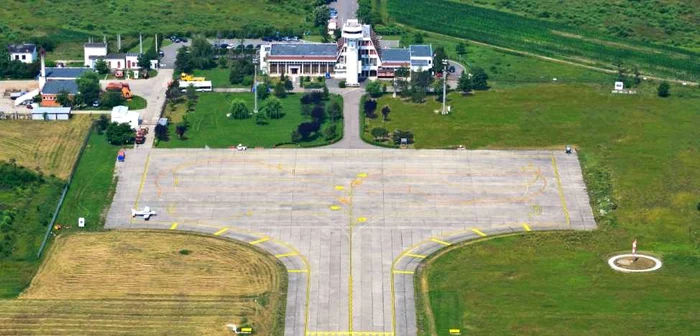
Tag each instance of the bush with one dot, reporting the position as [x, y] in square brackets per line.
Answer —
[379, 133]
[262, 91]
[342, 84]
[664, 89]
[119, 134]
[370, 106]
[330, 132]
[374, 89]
[247, 81]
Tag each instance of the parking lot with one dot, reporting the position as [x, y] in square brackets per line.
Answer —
[351, 225]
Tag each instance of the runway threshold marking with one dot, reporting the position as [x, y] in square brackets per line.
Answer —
[526, 227]
[435, 240]
[477, 231]
[261, 240]
[173, 227]
[561, 191]
[217, 233]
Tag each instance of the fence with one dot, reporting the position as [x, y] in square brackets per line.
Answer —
[65, 191]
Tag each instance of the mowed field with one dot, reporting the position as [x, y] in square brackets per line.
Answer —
[50, 146]
[149, 283]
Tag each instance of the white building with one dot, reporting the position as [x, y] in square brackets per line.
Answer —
[51, 113]
[121, 114]
[122, 61]
[25, 53]
[357, 55]
[93, 49]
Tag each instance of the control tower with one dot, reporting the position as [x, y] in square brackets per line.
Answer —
[352, 33]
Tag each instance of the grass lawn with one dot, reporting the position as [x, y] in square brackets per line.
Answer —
[91, 190]
[209, 125]
[137, 103]
[218, 77]
[640, 159]
[142, 282]
[50, 146]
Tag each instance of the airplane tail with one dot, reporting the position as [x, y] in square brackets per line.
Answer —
[133, 213]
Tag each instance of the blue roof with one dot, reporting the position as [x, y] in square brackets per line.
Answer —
[65, 72]
[396, 55]
[420, 63]
[56, 86]
[421, 51]
[304, 49]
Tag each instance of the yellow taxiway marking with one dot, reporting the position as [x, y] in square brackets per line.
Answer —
[217, 233]
[335, 207]
[526, 227]
[435, 240]
[420, 256]
[477, 231]
[362, 219]
[561, 191]
[362, 175]
[291, 254]
[263, 239]
[173, 227]
[402, 272]
[339, 187]
[298, 271]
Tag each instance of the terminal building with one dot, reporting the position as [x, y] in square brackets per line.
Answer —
[357, 55]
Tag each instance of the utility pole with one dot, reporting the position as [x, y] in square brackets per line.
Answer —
[140, 44]
[445, 71]
[255, 84]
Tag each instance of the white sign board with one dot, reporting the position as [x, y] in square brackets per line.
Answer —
[81, 222]
[619, 85]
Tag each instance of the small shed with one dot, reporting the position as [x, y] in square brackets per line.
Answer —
[121, 114]
[51, 113]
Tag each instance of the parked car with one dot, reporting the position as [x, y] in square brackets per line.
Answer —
[96, 103]
[161, 54]
[267, 39]
[184, 40]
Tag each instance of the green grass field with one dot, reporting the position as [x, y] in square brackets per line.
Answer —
[91, 190]
[209, 125]
[218, 77]
[639, 154]
[544, 38]
[137, 103]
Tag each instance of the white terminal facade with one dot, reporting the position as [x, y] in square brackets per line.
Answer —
[357, 55]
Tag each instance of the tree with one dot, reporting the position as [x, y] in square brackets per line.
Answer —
[202, 53]
[330, 132]
[464, 83]
[288, 85]
[418, 38]
[260, 119]
[101, 66]
[102, 123]
[374, 88]
[421, 79]
[370, 106]
[379, 133]
[385, 112]
[438, 57]
[112, 98]
[461, 49]
[236, 74]
[479, 79]
[321, 16]
[89, 86]
[119, 134]
[318, 113]
[273, 108]
[335, 111]
[280, 91]
[261, 91]
[326, 93]
[238, 109]
[223, 63]
[305, 129]
[191, 92]
[161, 132]
[664, 89]
[173, 91]
[63, 98]
[191, 105]
[183, 61]
[180, 129]
[78, 99]
[144, 62]
[296, 136]
[417, 95]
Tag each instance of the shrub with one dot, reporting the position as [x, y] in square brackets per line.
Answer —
[664, 89]
[374, 89]
[379, 133]
[399, 134]
[342, 84]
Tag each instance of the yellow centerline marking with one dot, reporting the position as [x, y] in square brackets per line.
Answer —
[435, 240]
[526, 227]
[290, 254]
[173, 227]
[264, 239]
[402, 272]
[477, 231]
[561, 191]
[143, 180]
[217, 233]
[415, 255]
[297, 271]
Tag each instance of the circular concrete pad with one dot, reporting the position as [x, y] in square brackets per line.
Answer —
[623, 262]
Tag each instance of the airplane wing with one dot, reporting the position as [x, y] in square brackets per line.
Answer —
[147, 215]
[133, 213]
[146, 209]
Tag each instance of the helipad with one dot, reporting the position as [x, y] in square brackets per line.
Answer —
[352, 225]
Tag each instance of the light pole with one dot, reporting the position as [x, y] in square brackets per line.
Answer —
[445, 66]
[255, 84]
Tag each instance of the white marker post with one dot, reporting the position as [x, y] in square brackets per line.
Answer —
[634, 247]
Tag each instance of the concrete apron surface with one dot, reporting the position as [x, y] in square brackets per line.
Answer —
[351, 225]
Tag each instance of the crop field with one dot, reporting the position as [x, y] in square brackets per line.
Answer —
[50, 146]
[149, 283]
[81, 18]
[544, 38]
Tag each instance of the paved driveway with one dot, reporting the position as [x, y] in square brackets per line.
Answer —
[351, 225]
[346, 9]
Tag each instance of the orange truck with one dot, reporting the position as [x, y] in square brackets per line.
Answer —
[121, 87]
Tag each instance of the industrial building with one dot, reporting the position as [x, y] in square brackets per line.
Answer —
[358, 54]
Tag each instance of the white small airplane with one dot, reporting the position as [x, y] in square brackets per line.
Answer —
[146, 213]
